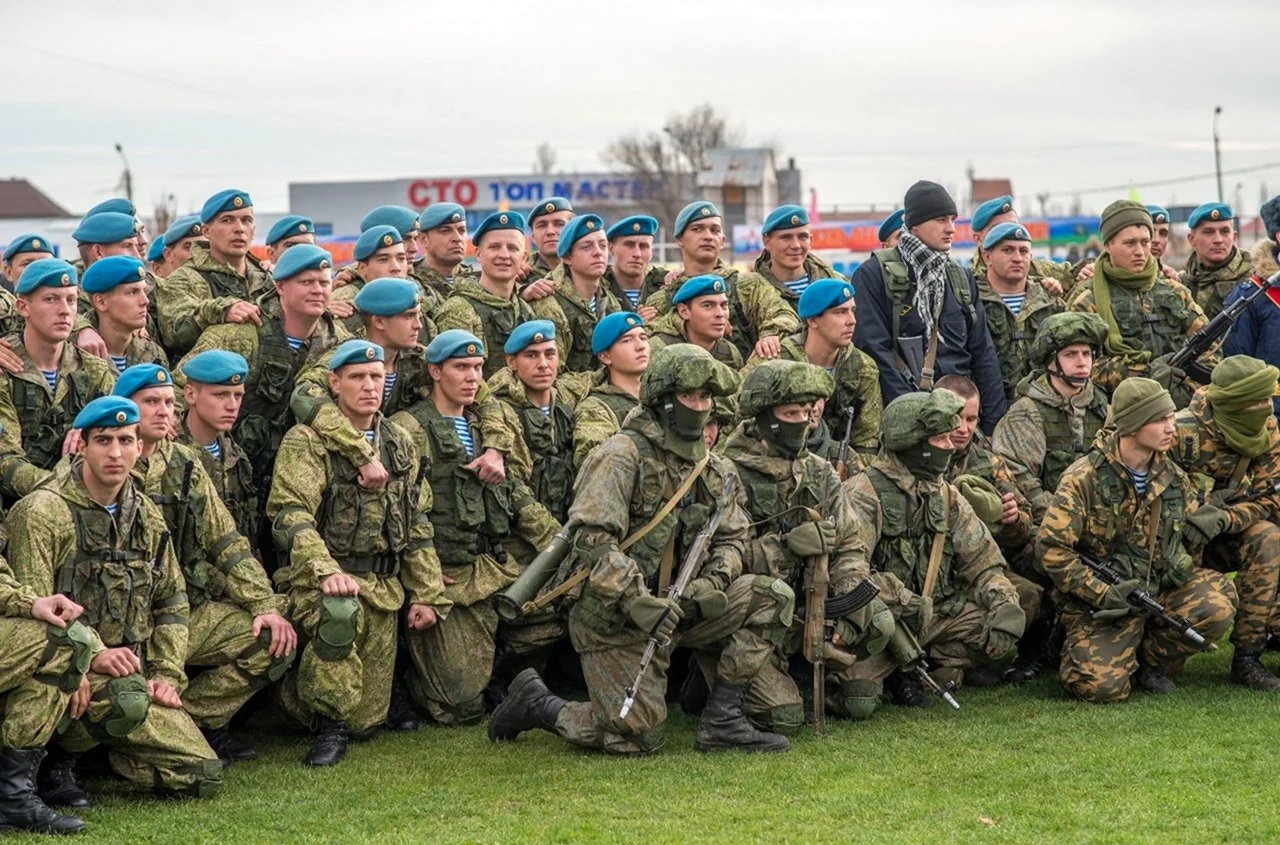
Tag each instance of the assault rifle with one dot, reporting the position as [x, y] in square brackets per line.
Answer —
[1217, 328]
[1142, 600]
[842, 454]
[1247, 495]
[906, 649]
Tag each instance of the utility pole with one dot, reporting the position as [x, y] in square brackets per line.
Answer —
[126, 178]
[1217, 151]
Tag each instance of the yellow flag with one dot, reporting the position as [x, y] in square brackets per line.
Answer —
[1133, 193]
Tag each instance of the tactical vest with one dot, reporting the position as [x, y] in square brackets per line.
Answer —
[114, 578]
[977, 461]
[367, 530]
[1012, 337]
[224, 284]
[498, 324]
[233, 479]
[44, 424]
[1124, 545]
[550, 441]
[775, 517]
[897, 284]
[264, 415]
[906, 539]
[618, 404]
[1161, 331]
[582, 324]
[847, 373]
[1061, 448]
[470, 517]
[183, 509]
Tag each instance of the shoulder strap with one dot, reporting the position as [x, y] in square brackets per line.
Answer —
[935, 551]
[685, 486]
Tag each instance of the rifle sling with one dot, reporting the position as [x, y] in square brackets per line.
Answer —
[939, 539]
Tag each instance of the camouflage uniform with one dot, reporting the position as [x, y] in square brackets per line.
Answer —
[34, 421]
[133, 595]
[139, 350]
[756, 309]
[1098, 511]
[575, 319]
[476, 310]
[326, 523]
[232, 477]
[1210, 286]
[1041, 268]
[431, 280]
[814, 268]
[11, 322]
[670, 329]
[654, 278]
[196, 296]
[1012, 334]
[429, 302]
[599, 416]
[473, 521]
[538, 269]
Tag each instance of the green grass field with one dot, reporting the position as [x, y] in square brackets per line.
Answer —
[1013, 766]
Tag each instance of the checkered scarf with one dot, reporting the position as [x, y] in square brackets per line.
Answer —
[930, 268]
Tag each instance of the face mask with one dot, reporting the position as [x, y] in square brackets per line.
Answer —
[1254, 420]
[789, 438]
[926, 461]
[682, 421]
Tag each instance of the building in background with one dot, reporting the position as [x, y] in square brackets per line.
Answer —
[24, 208]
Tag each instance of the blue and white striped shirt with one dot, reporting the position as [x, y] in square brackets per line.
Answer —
[1140, 480]
[214, 449]
[113, 508]
[798, 286]
[464, 434]
[1013, 301]
[389, 386]
[368, 435]
[633, 296]
[295, 343]
[121, 362]
[51, 378]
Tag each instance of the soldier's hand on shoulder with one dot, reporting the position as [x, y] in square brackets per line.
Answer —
[341, 308]
[9, 359]
[422, 617]
[768, 348]
[72, 442]
[58, 610]
[1086, 272]
[540, 289]
[243, 312]
[373, 476]
[490, 466]
[647, 312]
[284, 639]
[340, 584]
[90, 341]
[116, 663]
[163, 694]
[1169, 272]
[1053, 286]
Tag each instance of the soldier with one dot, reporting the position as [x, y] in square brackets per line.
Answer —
[1216, 264]
[936, 564]
[489, 306]
[828, 310]
[579, 300]
[759, 316]
[1160, 229]
[1148, 317]
[38, 404]
[1050, 275]
[403, 220]
[622, 345]
[236, 631]
[106, 233]
[219, 284]
[787, 487]
[701, 318]
[22, 250]
[631, 278]
[295, 333]
[176, 244]
[380, 254]
[786, 261]
[453, 661]
[354, 557]
[155, 254]
[920, 314]
[1126, 502]
[641, 498]
[117, 289]
[290, 230]
[443, 237]
[1015, 304]
[1227, 441]
[890, 230]
[91, 534]
[1059, 409]
[547, 220]
[213, 395]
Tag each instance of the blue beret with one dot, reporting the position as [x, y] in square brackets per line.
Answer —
[612, 327]
[1005, 232]
[50, 272]
[27, 243]
[577, 229]
[403, 219]
[549, 206]
[229, 200]
[785, 217]
[1159, 214]
[699, 210]
[140, 377]
[454, 343]
[440, 214]
[533, 331]
[299, 258]
[375, 239]
[183, 227]
[636, 224]
[106, 273]
[217, 366]
[387, 297]
[982, 214]
[708, 285]
[116, 205]
[822, 295]
[108, 227]
[290, 225]
[891, 224]
[155, 250]
[1210, 211]
[498, 220]
[107, 412]
[355, 351]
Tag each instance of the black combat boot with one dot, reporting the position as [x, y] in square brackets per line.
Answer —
[723, 727]
[57, 782]
[1032, 649]
[227, 747]
[528, 705]
[400, 715]
[1247, 670]
[330, 744]
[905, 690]
[20, 807]
[694, 690]
[1152, 679]
[981, 676]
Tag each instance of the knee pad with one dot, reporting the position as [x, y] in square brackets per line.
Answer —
[208, 779]
[783, 601]
[130, 704]
[80, 640]
[277, 666]
[785, 719]
[336, 633]
[860, 699]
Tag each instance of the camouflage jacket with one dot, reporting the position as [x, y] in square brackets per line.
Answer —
[473, 308]
[574, 319]
[442, 286]
[670, 329]
[600, 416]
[198, 294]
[11, 321]
[139, 350]
[232, 479]
[979, 461]
[1012, 334]
[430, 303]
[16, 598]
[814, 267]
[654, 278]
[1041, 268]
[1210, 286]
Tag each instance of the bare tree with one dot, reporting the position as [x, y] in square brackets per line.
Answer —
[546, 158]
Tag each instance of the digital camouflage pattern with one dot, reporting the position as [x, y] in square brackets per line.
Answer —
[814, 268]
[1013, 335]
[669, 330]
[654, 279]
[197, 295]
[232, 479]
[1210, 286]
[11, 322]
[474, 309]
[575, 318]
[599, 416]
[434, 281]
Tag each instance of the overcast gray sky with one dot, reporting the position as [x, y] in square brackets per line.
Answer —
[867, 97]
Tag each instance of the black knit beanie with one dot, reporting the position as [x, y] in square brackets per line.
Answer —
[925, 201]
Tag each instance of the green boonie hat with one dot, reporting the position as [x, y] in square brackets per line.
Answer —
[780, 382]
[683, 366]
[1062, 330]
[913, 417]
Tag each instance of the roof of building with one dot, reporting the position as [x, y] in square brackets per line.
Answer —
[982, 190]
[744, 167]
[20, 199]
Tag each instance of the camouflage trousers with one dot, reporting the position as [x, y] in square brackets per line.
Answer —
[1100, 656]
[774, 701]
[37, 676]
[1254, 555]
[356, 688]
[452, 662]
[221, 637]
[744, 639]
[157, 747]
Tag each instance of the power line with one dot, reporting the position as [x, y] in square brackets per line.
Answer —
[1175, 180]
